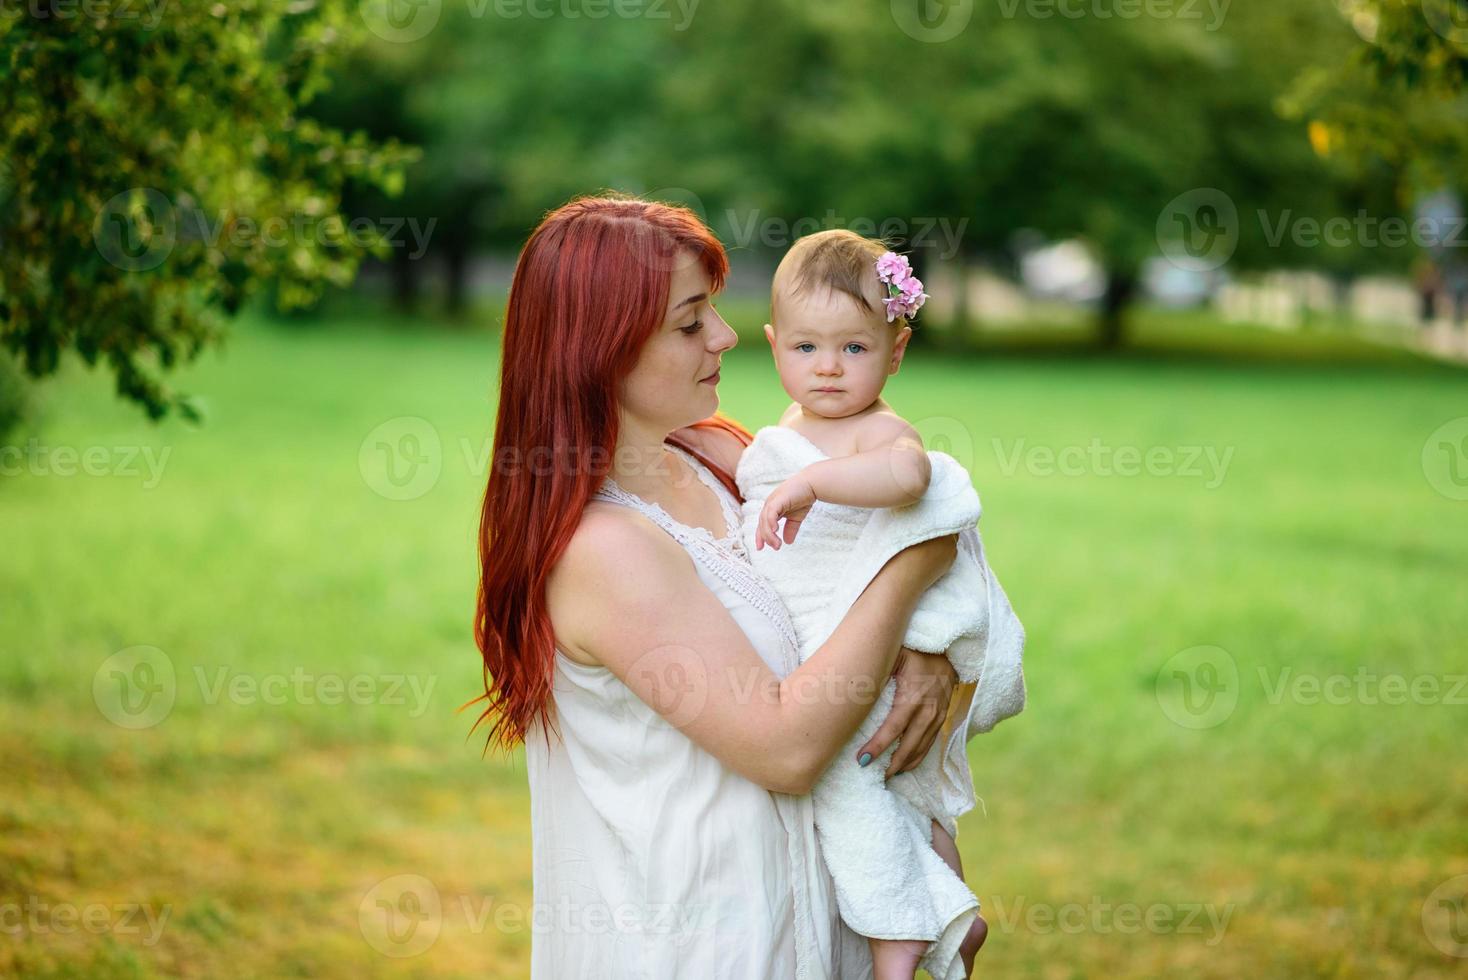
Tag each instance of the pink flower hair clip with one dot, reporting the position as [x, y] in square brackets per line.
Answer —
[905, 294]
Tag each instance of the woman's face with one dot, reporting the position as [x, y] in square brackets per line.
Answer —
[675, 381]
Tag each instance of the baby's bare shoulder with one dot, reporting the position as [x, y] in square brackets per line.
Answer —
[885, 428]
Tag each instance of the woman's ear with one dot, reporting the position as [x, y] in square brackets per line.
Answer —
[898, 349]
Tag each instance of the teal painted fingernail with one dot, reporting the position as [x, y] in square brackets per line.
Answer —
[865, 758]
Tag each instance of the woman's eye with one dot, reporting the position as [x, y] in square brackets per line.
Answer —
[859, 348]
[692, 328]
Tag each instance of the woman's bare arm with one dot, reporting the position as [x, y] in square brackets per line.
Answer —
[625, 595]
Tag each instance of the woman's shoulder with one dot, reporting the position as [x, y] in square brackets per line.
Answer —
[610, 534]
[613, 545]
[611, 551]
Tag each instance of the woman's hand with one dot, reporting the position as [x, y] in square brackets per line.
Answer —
[925, 684]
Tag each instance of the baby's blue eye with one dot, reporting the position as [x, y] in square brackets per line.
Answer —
[805, 348]
[859, 348]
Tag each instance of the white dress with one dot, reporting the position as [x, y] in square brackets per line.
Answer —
[652, 860]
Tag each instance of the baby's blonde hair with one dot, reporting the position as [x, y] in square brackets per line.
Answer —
[838, 260]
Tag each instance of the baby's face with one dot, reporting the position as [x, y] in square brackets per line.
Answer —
[833, 356]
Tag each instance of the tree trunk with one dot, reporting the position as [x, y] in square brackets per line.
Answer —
[1121, 287]
[404, 281]
[963, 317]
[456, 272]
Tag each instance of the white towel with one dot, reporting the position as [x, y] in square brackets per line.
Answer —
[876, 833]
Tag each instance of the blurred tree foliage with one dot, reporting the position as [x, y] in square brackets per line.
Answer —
[1082, 127]
[760, 113]
[157, 170]
[765, 112]
[1398, 100]
[14, 396]
[515, 115]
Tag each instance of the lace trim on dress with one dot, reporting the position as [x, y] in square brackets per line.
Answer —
[726, 557]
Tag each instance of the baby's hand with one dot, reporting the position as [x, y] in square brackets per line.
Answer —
[791, 500]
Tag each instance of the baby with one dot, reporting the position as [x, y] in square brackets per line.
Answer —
[850, 479]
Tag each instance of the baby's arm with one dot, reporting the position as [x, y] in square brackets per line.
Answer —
[890, 468]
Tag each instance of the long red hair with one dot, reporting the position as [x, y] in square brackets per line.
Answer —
[590, 288]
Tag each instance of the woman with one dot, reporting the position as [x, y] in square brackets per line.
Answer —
[670, 735]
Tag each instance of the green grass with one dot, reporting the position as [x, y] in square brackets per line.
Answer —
[264, 552]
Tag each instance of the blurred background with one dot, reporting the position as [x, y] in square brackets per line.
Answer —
[1198, 328]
